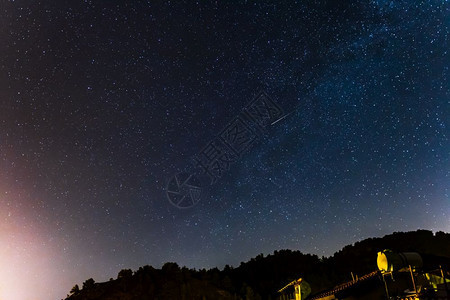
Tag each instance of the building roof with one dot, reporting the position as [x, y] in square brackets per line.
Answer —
[345, 286]
[298, 281]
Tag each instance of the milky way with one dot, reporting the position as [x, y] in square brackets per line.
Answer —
[103, 102]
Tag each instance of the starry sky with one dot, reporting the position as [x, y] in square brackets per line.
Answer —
[103, 102]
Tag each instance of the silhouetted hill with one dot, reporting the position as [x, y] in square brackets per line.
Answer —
[262, 276]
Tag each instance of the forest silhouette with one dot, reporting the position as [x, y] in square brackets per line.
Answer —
[260, 277]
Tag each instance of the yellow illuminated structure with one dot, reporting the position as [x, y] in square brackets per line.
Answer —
[425, 274]
[401, 276]
[296, 290]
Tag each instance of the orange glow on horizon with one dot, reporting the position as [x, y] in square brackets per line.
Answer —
[26, 256]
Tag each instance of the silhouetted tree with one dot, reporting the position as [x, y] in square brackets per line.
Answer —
[170, 267]
[75, 290]
[125, 273]
[90, 283]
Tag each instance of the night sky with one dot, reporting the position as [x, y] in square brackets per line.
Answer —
[103, 102]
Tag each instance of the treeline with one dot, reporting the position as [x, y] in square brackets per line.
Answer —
[262, 276]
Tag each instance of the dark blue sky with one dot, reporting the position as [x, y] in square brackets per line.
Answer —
[103, 102]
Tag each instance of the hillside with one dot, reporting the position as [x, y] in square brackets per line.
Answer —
[262, 276]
